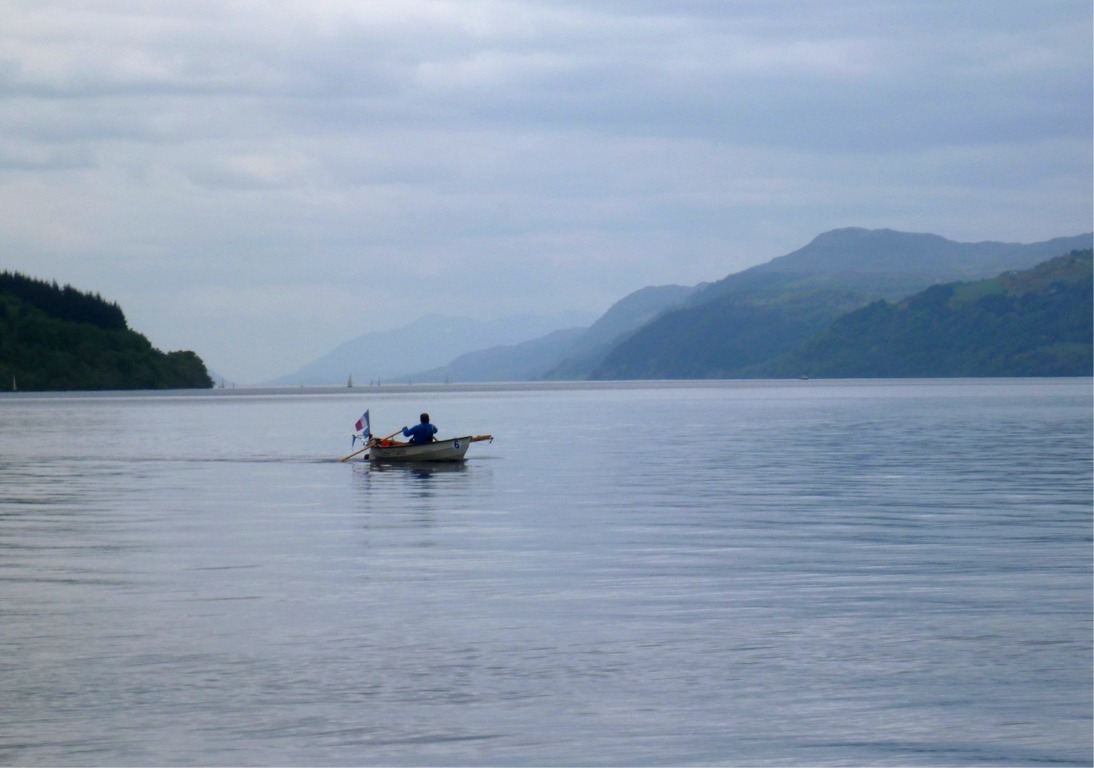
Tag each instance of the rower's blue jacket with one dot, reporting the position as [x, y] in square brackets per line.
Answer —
[420, 433]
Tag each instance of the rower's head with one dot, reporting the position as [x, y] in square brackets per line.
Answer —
[425, 418]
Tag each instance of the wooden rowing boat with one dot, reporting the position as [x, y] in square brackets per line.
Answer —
[453, 449]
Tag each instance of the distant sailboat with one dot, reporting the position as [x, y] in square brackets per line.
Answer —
[349, 383]
[14, 386]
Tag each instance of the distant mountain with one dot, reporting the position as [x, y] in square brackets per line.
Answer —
[527, 361]
[422, 345]
[729, 328]
[718, 338]
[623, 318]
[745, 319]
[633, 311]
[1036, 322]
[558, 354]
[54, 338]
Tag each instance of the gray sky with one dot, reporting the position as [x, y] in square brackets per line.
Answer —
[260, 181]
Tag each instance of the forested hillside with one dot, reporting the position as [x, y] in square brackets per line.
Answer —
[54, 338]
[1037, 322]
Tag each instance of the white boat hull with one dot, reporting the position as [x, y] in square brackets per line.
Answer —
[453, 449]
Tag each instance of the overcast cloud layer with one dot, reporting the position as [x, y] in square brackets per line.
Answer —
[261, 181]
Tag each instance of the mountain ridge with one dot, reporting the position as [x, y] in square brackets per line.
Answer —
[716, 329]
[1035, 322]
[770, 309]
[855, 249]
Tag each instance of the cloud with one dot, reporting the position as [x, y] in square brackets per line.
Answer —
[267, 161]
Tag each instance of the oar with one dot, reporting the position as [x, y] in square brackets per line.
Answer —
[345, 458]
[479, 438]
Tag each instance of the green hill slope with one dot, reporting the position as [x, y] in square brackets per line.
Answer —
[718, 338]
[1036, 322]
[736, 326]
[54, 338]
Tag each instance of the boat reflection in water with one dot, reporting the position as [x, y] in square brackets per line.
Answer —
[419, 468]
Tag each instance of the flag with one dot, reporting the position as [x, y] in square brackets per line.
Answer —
[363, 425]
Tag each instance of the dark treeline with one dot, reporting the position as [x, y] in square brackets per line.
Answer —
[63, 303]
[54, 338]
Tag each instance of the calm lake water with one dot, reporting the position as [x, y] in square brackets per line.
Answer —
[746, 573]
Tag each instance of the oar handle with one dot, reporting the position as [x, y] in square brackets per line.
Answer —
[479, 438]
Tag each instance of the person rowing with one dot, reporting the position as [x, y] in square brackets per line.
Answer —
[422, 432]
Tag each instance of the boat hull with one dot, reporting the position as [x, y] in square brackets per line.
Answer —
[453, 449]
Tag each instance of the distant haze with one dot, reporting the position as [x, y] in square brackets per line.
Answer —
[425, 343]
